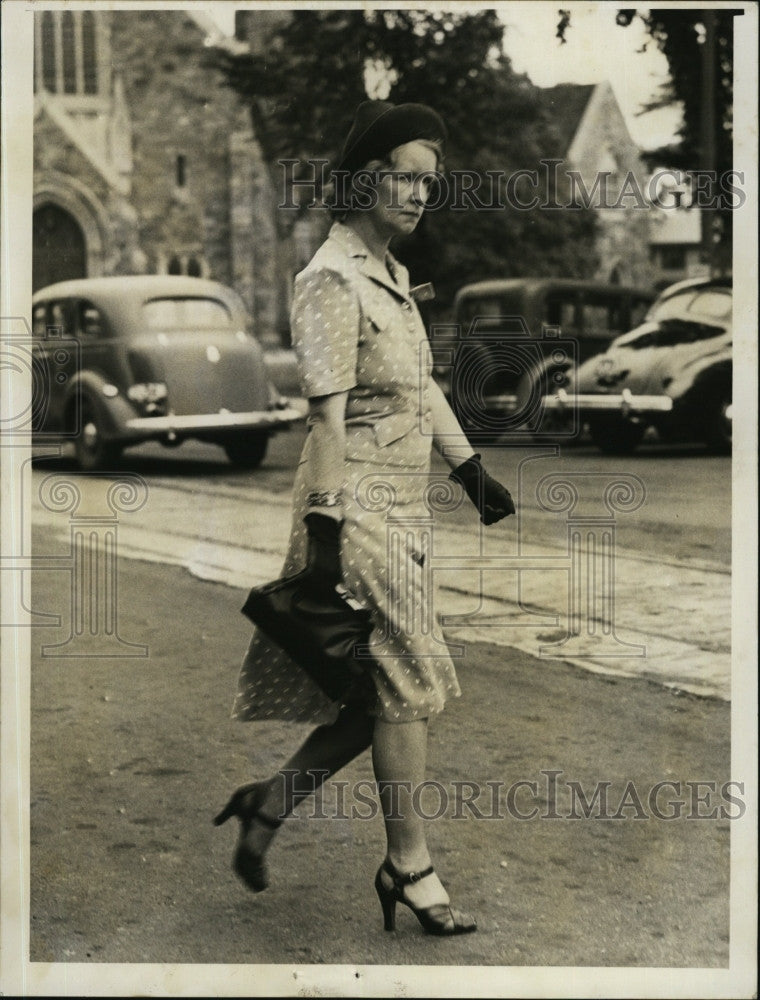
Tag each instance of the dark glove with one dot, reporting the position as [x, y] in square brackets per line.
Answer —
[492, 500]
[323, 558]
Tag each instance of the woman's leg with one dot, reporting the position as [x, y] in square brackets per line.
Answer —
[324, 752]
[399, 756]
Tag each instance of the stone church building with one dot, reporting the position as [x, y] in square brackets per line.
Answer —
[144, 162]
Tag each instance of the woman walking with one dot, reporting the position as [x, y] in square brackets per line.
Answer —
[374, 412]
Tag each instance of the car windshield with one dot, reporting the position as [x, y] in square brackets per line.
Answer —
[711, 303]
[676, 305]
[191, 313]
[714, 303]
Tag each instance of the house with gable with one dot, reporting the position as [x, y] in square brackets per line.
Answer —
[676, 246]
[594, 141]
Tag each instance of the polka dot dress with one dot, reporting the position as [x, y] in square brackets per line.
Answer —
[356, 329]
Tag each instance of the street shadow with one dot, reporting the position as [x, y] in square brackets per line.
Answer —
[584, 450]
[581, 446]
[167, 468]
[657, 450]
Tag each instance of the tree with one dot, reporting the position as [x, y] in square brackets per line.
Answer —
[698, 46]
[301, 92]
[316, 69]
[681, 35]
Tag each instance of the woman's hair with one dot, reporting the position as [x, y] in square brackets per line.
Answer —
[434, 144]
[340, 211]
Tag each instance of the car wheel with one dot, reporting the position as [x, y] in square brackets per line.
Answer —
[93, 451]
[616, 437]
[246, 451]
[718, 429]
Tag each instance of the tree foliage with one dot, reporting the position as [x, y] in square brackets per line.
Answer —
[680, 34]
[304, 89]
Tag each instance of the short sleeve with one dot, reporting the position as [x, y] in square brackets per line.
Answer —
[324, 324]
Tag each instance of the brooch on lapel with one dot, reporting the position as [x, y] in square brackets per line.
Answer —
[422, 293]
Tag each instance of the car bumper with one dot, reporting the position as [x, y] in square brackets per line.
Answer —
[504, 402]
[208, 423]
[623, 403]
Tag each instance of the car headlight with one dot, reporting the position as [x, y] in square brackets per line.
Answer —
[151, 396]
[147, 392]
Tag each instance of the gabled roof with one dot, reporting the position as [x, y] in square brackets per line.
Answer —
[565, 105]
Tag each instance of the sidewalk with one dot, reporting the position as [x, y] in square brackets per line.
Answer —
[131, 758]
[683, 625]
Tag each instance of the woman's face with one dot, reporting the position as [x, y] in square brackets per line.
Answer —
[403, 189]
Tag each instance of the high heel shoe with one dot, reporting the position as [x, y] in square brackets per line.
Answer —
[245, 804]
[440, 919]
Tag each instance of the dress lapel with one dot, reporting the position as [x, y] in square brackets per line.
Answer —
[351, 244]
[372, 267]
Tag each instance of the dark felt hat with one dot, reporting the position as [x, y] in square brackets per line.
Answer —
[380, 126]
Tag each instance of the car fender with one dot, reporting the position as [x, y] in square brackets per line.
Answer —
[695, 377]
[113, 412]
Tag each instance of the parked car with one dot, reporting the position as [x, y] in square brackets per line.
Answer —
[122, 360]
[673, 373]
[510, 337]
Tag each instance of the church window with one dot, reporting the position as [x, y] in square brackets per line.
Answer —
[66, 47]
[189, 262]
[48, 51]
[181, 176]
[89, 53]
[69, 53]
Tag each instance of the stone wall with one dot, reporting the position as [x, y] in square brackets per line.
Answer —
[198, 184]
[178, 109]
[64, 176]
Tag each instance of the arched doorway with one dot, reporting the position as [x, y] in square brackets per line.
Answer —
[59, 251]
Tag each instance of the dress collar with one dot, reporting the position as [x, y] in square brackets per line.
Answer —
[353, 245]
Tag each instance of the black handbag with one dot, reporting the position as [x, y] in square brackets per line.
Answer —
[320, 631]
